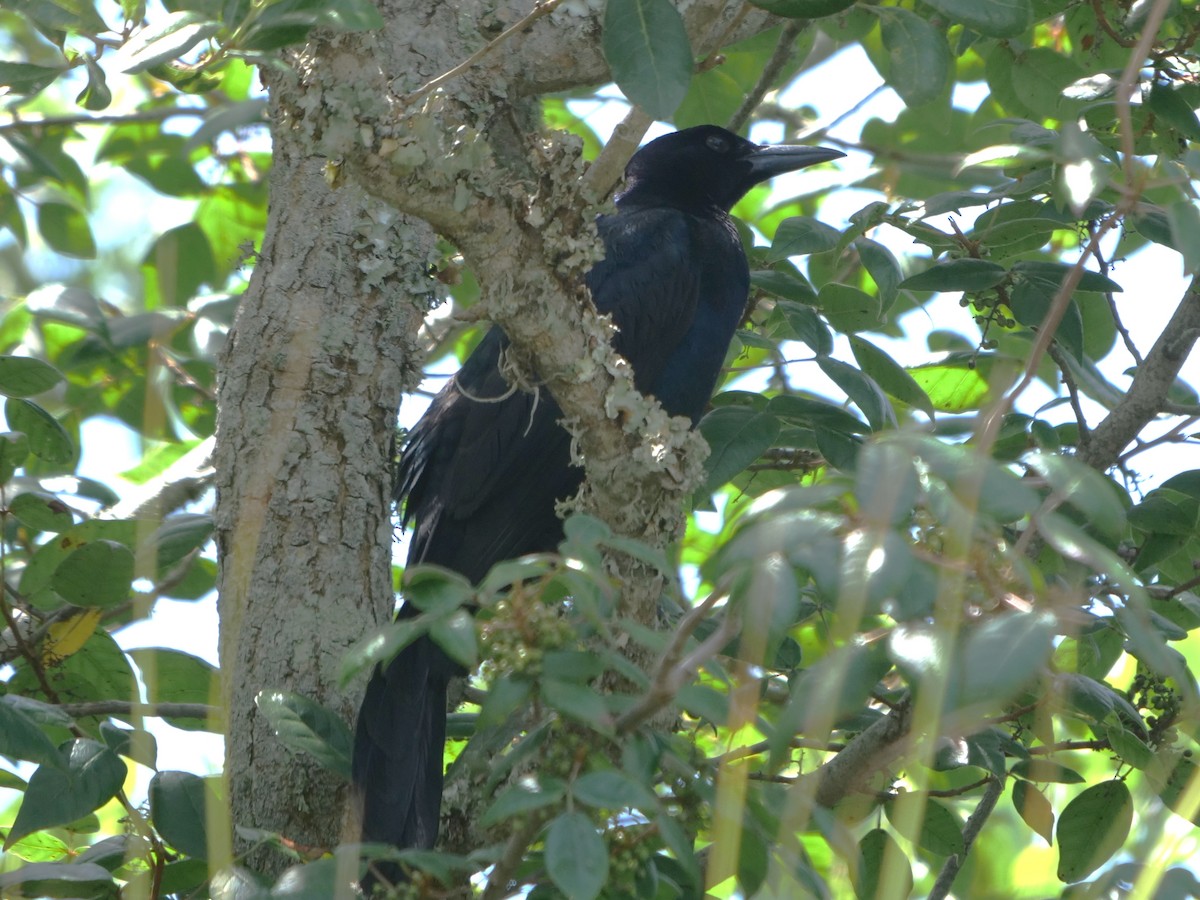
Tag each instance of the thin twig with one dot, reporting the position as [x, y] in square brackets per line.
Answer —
[149, 115]
[779, 58]
[1056, 354]
[1124, 94]
[950, 869]
[542, 8]
[673, 670]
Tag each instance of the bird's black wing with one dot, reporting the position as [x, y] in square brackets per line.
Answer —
[483, 468]
[649, 282]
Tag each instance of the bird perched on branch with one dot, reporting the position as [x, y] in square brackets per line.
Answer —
[480, 476]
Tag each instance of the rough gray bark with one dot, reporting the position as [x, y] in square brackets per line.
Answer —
[320, 352]
[307, 403]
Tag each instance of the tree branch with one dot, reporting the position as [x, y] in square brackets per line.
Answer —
[950, 869]
[1151, 382]
[126, 708]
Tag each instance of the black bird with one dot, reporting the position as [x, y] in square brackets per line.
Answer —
[480, 479]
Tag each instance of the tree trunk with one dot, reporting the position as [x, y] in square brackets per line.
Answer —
[320, 351]
[316, 364]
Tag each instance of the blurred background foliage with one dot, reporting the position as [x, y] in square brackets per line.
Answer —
[916, 511]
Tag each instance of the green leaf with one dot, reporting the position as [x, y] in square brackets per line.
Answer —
[181, 260]
[456, 635]
[576, 858]
[24, 376]
[871, 879]
[957, 275]
[95, 96]
[1129, 746]
[22, 738]
[1092, 828]
[1097, 498]
[736, 436]
[612, 789]
[1016, 645]
[14, 450]
[1170, 105]
[1042, 770]
[889, 374]
[90, 775]
[1184, 219]
[1032, 806]
[505, 697]
[66, 230]
[994, 18]
[48, 440]
[177, 802]
[26, 78]
[648, 53]
[803, 324]
[523, 798]
[77, 880]
[802, 235]
[849, 309]
[861, 389]
[939, 831]
[1179, 789]
[305, 726]
[1051, 274]
[172, 676]
[100, 573]
[804, 9]
[1091, 698]
[919, 61]
[166, 40]
[883, 268]
[885, 483]
[1039, 77]
[578, 701]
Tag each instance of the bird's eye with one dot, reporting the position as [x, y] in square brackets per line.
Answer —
[717, 143]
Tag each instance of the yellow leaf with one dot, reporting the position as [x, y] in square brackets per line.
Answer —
[68, 635]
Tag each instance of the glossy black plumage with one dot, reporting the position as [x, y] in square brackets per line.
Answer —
[479, 480]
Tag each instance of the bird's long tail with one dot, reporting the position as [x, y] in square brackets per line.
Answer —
[398, 743]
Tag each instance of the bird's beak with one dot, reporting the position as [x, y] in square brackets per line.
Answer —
[769, 161]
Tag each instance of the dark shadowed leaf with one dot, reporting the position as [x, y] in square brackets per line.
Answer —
[861, 389]
[66, 230]
[736, 436]
[172, 676]
[48, 440]
[22, 738]
[919, 61]
[957, 275]
[889, 374]
[875, 850]
[23, 376]
[926, 822]
[99, 573]
[1041, 771]
[1092, 828]
[648, 53]
[177, 810]
[804, 9]
[612, 789]
[303, 725]
[802, 235]
[522, 798]
[576, 858]
[77, 880]
[91, 776]
[994, 18]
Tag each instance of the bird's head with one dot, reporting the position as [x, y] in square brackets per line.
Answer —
[706, 166]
